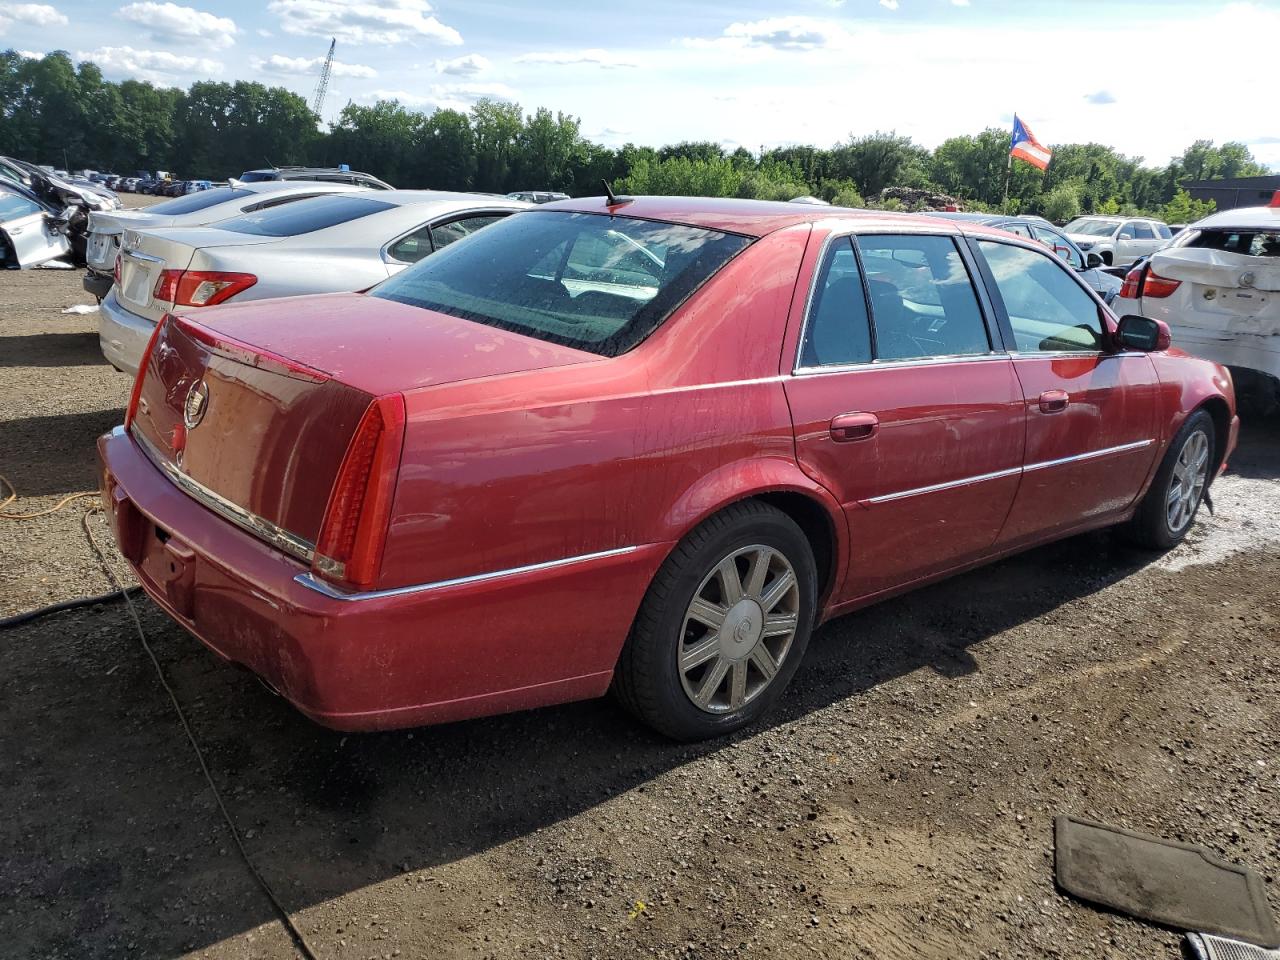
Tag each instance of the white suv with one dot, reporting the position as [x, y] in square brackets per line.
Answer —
[1118, 240]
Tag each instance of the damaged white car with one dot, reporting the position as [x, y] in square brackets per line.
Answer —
[31, 232]
[1217, 286]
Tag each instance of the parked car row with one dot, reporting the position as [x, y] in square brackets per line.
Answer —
[44, 216]
[513, 454]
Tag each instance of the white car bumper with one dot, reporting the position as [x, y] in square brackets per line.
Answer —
[123, 335]
[1249, 350]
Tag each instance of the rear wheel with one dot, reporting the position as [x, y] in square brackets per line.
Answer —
[1167, 511]
[723, 627]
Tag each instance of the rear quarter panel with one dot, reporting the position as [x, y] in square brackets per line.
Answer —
[618, 452]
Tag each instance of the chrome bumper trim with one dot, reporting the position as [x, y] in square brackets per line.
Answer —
[336, 593]
[290, 543]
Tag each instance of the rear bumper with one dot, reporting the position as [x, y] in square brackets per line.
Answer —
[122, 334]
[395, 659]
[1248, 350]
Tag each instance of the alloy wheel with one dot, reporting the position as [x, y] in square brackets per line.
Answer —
[738, 629]
[1187, 482]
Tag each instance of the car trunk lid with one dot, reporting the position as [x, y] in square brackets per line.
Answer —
[251, 409]
[145, 254]
[1227, 291]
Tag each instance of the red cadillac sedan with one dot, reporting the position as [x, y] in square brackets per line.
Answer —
[645, 445]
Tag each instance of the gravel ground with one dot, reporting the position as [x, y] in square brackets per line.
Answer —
[899, 805]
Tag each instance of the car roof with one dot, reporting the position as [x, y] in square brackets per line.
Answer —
[402, 198]
[753, 218]
[1267, 218]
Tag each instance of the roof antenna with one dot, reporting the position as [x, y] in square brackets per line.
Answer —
[614, 200]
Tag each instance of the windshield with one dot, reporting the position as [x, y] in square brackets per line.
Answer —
[304, 216]
[1092, 228]
[199, 201]
[596, 283]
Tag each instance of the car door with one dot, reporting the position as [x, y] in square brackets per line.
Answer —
[904, 407]
[1129, 247]
[1091, 412]
[28, 231]
[430, 237]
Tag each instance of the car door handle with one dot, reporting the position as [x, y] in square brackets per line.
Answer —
[1054, 401]
[848, 427]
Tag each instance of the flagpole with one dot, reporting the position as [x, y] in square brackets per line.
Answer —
[1008, 171]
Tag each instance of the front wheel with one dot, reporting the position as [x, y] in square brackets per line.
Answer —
[723, 627]
[1167, 511]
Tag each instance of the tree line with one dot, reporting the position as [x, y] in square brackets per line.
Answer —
[55, 111]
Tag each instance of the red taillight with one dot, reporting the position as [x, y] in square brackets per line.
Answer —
[1132, 284]
[115, 274]
[354, 530]
[131, 411]
[1158, 286]
[200, 288]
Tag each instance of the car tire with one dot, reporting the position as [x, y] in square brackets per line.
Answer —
[758, 643]
[1169, 508]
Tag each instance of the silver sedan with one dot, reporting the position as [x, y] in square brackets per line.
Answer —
[328, 244]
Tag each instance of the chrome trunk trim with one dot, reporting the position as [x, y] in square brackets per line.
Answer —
[264, 529]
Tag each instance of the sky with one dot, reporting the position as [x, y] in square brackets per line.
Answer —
[1145, 76]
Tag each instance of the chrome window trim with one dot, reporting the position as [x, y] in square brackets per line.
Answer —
[1008, 472]
[260, 527]
[440, 221]
[334, 592]
[885, 230]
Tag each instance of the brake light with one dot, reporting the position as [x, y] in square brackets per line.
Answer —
[135, 396]
[1275, 200]
[1132, 286]
[354, 529]
[1158, 286]
[200, 288]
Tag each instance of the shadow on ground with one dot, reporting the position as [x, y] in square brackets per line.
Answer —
[111, 838]
[52, 350]
[54, 455]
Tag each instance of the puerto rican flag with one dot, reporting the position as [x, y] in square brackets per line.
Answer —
[1026, 147]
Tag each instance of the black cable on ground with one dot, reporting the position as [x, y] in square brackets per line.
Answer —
[299, 941]
[27, 616]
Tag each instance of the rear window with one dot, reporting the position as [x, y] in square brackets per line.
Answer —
[305, 216]
[1252, 243]
[199, 201]
[258, 176]
[596, 283]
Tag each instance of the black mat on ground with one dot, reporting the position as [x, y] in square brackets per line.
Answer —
[1173, 884]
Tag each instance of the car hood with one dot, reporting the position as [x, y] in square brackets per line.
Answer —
[1086, 239]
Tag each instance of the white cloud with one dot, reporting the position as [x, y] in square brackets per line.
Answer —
[1100, 97]
[172, 23]
[389, 22]
[777, 33]
[443, 96]
[594, 57]
[159, 66]
[29, 54]
[889, 4]
[32, 14]
[467, 66]
[310, 67]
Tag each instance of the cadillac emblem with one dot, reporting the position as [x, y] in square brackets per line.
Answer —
[197, 402]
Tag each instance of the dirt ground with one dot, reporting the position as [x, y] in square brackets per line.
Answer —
[899, 805]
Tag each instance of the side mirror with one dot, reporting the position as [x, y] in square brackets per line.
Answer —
[1142, 333]
[1093, 260]
[1125, 236]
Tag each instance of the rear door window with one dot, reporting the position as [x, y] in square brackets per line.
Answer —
[446, 233]
[307, 216]
[922, 298]
[1049, 311]
[838, 330]
[1142, 231]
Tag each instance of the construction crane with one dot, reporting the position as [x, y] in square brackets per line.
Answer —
[322, 88]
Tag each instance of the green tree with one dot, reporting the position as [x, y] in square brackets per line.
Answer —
[1183, 209]
[880, 160]
[1062, 203]
[497, 127]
